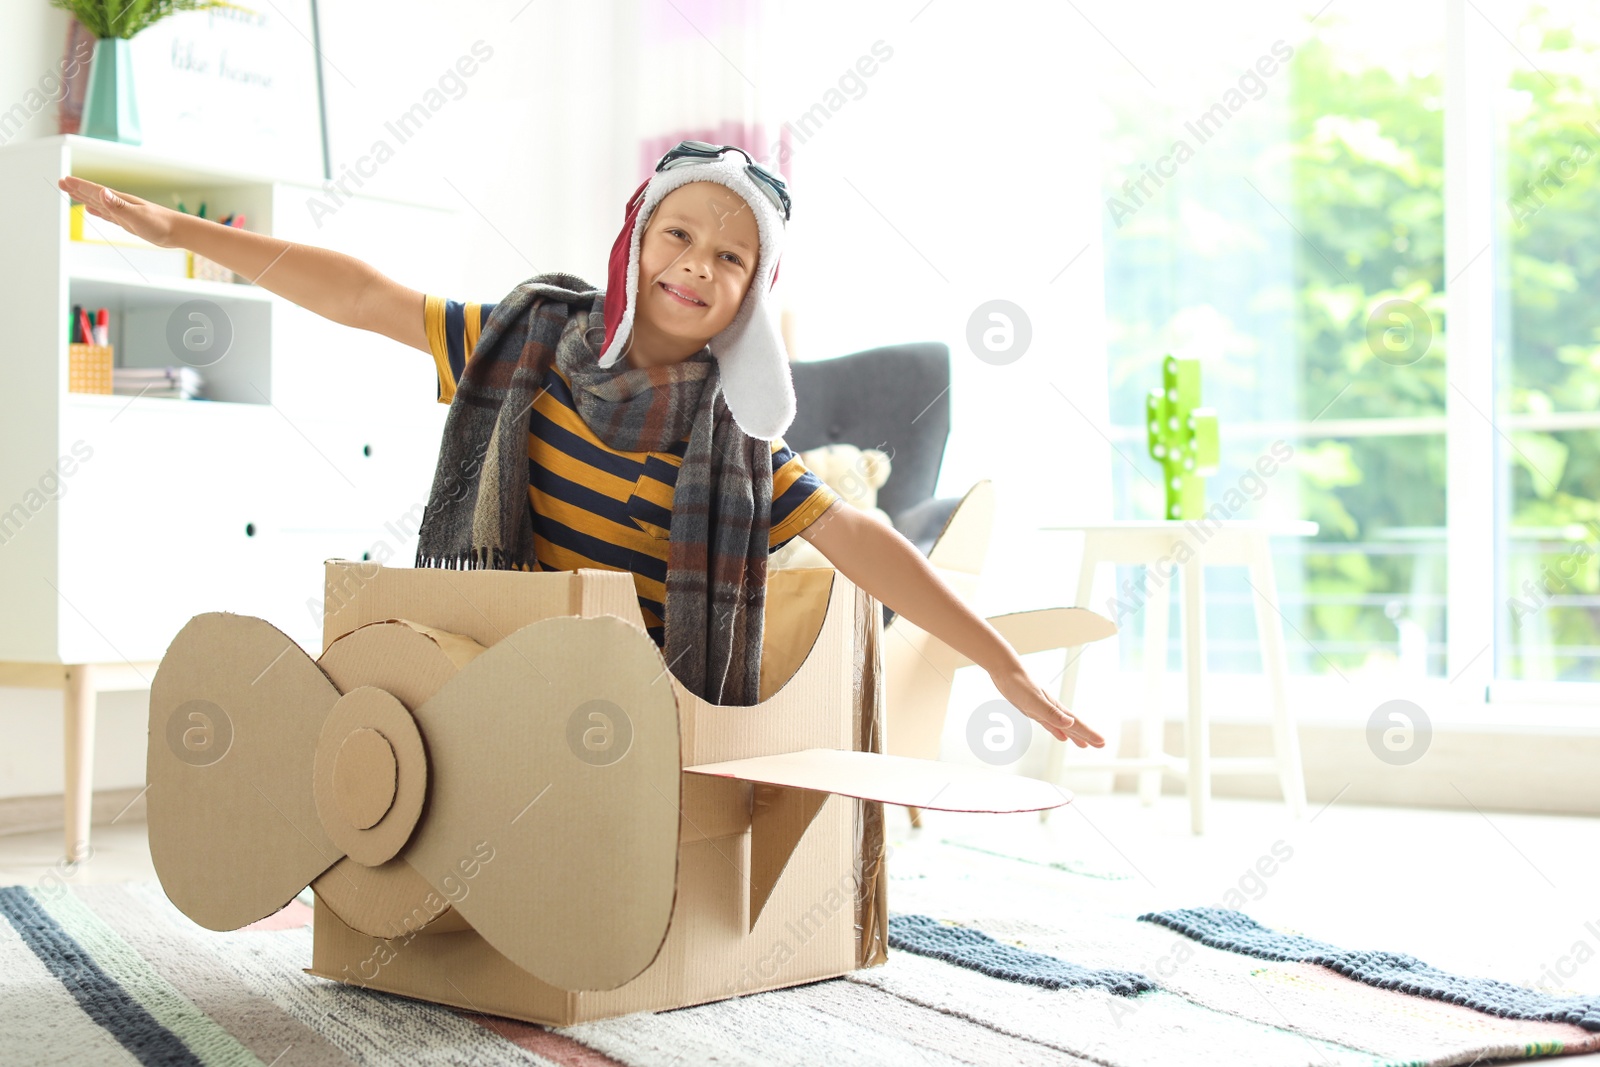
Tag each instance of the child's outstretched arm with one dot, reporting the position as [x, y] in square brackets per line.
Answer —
[332, 284]
[878, 558]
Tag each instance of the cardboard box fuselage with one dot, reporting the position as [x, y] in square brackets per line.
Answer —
[826, 914]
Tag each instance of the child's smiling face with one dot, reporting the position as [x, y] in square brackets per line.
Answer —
[696, 259]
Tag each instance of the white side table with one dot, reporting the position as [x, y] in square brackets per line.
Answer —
[1157, 543]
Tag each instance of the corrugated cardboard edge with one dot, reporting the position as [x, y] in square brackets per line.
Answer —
[461, 649]
[872, 886]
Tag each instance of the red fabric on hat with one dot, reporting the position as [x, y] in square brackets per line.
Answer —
[616, 301]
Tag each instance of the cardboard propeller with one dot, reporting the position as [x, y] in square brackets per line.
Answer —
[366, 774]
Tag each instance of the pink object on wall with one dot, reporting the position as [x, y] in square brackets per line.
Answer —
[692, 18]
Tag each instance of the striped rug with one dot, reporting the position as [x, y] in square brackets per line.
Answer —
[113, 974]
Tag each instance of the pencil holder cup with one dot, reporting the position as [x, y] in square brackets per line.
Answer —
[89, 368]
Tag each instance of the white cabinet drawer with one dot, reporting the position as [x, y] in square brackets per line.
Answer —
[166, 520]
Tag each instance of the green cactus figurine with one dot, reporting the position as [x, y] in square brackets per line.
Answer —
[1183, 437]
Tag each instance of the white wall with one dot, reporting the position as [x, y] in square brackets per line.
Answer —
[33, 39]
[526, 149]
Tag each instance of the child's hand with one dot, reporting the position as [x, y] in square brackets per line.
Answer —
[139, 217]
[1024, 694]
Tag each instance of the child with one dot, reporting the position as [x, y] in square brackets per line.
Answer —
[671, 466]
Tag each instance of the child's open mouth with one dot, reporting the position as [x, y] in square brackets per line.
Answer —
[681, 297]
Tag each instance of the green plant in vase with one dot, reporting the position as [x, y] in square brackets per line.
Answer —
[110, 110]
[1183, 437]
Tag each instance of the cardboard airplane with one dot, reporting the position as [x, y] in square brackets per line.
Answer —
[505, 801]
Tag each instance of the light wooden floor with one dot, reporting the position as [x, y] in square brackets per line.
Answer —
[1507, 896]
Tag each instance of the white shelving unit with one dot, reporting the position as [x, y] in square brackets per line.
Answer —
[318, 440]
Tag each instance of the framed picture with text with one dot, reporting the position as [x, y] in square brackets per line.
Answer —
[235, 84]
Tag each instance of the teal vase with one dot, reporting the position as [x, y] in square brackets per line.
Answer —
[110, 110]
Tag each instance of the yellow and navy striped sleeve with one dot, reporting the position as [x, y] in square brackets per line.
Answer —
[452, 328]
[799, 497]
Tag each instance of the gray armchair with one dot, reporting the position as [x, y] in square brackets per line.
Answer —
[896, 398]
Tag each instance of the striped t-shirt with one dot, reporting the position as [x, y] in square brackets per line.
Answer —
[594, 506]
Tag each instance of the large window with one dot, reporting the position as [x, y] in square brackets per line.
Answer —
[1277, 205]
[1550, 112]
[1295, 246]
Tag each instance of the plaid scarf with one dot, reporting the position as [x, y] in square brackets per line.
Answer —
[480, 514]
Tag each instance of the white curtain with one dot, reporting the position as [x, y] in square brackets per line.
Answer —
[961, 170]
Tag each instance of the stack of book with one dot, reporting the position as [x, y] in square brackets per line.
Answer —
[182, 383]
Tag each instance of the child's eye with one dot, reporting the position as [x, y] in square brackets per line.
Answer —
[733, 257]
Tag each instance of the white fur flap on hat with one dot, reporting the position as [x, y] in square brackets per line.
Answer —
[750, 354]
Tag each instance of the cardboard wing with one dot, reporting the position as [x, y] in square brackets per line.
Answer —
[790, 789]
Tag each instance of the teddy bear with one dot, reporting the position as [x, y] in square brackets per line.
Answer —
[856, 474]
